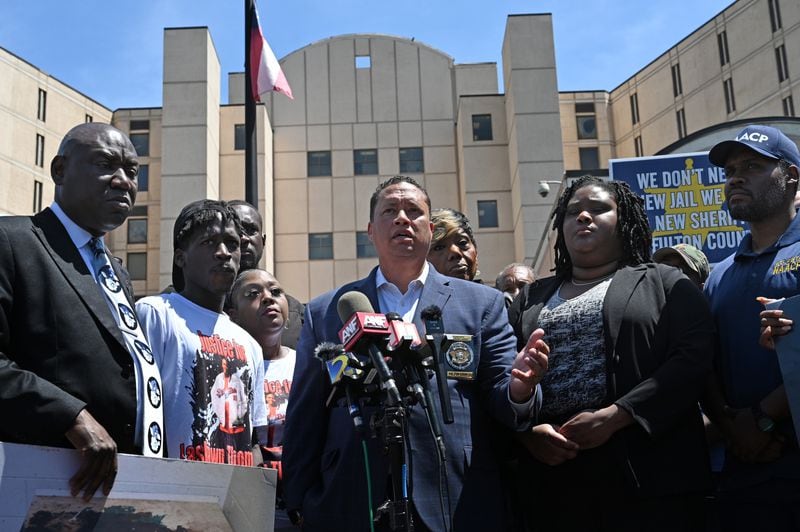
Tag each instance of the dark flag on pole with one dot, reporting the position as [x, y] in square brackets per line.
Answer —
[262, 74]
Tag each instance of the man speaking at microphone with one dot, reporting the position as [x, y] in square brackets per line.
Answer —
[324, 466]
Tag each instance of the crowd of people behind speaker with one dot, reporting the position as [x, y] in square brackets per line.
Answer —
[595, 413]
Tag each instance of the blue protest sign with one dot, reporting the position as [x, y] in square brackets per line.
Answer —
[685, 201]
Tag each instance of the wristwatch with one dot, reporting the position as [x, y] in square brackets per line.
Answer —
[763, 421]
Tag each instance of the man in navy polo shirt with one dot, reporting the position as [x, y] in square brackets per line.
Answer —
[760, 484]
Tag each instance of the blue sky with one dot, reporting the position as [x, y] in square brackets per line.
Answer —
[111, 50]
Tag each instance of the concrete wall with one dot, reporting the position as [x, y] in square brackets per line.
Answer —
[533, 124]
[407, 97]
[19, 98]
[190, 141]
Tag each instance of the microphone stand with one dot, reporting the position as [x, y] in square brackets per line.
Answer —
[392, 424]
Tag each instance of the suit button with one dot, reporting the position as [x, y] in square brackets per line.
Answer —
[616, 359]
[129, 430]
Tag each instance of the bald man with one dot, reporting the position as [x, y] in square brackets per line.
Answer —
[67, 378]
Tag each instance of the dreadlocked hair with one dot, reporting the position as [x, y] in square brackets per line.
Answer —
[632, 225]
[196, 216]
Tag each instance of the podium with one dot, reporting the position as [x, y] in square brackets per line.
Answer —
[149, 494]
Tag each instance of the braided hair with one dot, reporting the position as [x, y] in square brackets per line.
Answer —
[194, 217]
[632, 225]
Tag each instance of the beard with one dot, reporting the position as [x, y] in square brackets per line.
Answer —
[769, 201]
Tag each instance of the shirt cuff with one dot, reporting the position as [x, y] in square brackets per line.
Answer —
[525, 411]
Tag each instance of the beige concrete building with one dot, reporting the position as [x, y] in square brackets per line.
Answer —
[36, 110]
[736, 68]
[369, 106]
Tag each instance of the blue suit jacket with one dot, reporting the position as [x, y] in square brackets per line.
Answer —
[322, 456]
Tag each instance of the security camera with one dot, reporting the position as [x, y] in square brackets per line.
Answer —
[544, 189]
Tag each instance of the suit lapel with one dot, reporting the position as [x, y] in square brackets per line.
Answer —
[437, 291]
[622, 287]
[368, 288]
[56, 241]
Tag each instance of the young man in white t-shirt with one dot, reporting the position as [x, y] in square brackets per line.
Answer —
[212, 370]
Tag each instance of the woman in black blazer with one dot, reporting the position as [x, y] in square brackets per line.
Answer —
[619, 444]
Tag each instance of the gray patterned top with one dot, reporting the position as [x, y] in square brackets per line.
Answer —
[576, 378]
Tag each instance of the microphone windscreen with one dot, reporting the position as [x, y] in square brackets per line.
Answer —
[352, 302]
[327, 350]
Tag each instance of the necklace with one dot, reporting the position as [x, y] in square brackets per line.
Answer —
[588, 283]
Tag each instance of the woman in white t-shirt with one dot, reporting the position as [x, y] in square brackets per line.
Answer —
[258, 304]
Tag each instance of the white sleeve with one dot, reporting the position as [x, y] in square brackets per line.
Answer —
[259, 403]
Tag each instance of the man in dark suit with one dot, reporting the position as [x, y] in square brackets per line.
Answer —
[323, 461]
[66, 376]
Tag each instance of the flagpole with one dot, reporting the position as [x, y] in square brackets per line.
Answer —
[250, 156]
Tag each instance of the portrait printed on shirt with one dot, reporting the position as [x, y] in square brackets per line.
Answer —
[277, 385]
[221, 395]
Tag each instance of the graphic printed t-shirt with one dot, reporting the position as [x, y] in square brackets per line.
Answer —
[210, 369]
[277, 385]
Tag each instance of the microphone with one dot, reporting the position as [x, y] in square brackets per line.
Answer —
[364, 329]
[403, 338]
[434, 333]
[342, 365]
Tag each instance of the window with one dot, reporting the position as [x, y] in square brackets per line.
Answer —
[590, 158]
[788, 106]
[88, 118]
[137, 230]
[320, 246]
[365, 162]
[364, 247]
[681, 118]
[363, 61]
[144, 177]
[319, 163]
[481, 127]
[637, 146]
[411, 161]
[487, 213]
[677, 86]
[137, 226]
[37, 196]
[141, 143]
[774, 15]
[783, 66]
[41, 110]
[39, 151]
[722, 42]
[139, 125]
[140, 137]
[730, 101]
[634, 108]
[239, 139]
[137, 266]
[585, 120]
